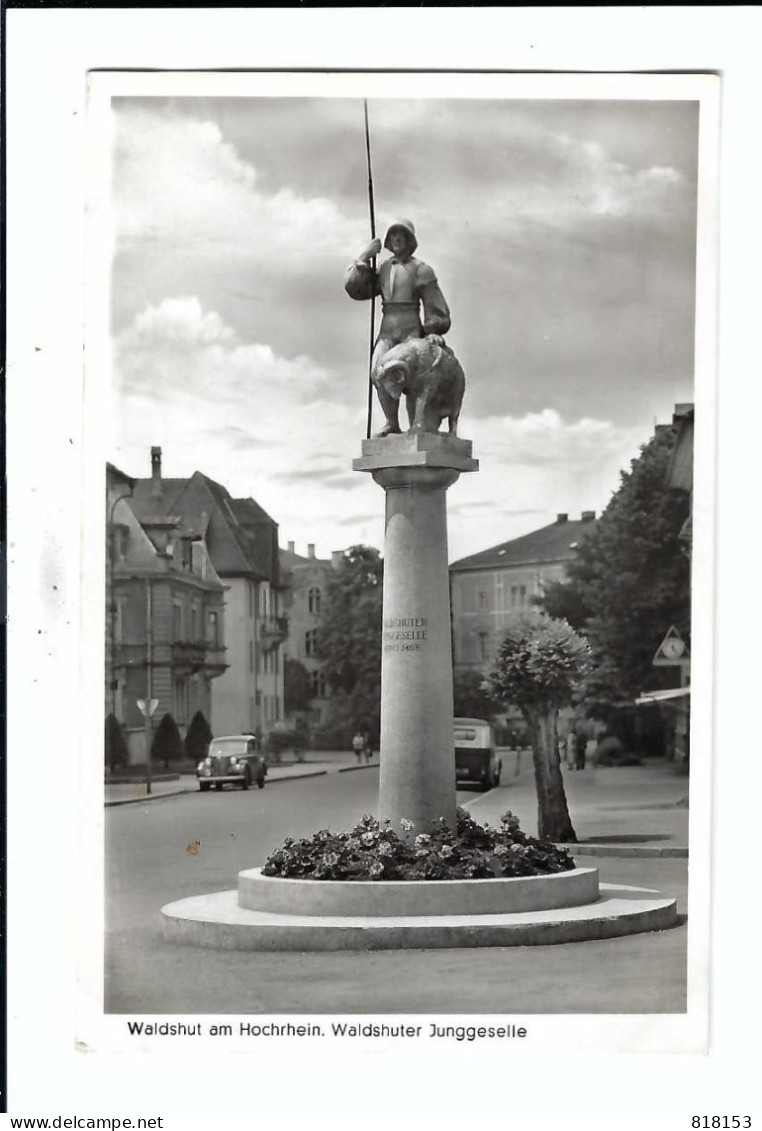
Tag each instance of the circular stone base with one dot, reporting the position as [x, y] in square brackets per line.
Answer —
[501, 895]
[217, 921]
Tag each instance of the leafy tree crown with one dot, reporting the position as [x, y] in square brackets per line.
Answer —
[539, 663]
[167, 743]
[198, 737]
[349, 637]
[629, 579]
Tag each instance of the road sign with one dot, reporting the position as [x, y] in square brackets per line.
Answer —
[673, 651]
[152, 705]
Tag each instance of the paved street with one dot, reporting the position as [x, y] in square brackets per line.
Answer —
[190, 844]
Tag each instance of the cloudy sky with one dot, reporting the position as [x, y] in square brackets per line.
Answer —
[563, 237]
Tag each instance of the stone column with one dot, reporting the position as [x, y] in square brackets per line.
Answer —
[417, 752]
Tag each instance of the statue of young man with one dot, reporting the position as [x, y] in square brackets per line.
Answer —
[413, 305]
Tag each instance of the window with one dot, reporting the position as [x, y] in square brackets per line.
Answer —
[181, 700]
[177, 620]
[317, 682]
[213, 634]
[483, 645]
[310, 642]
[120, 540]
[195, 635]
[119, 604]
[186, 554]
[313, 600]
[482, 599]
[199, 561]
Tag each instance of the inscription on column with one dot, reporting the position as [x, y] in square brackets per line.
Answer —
[405, 634]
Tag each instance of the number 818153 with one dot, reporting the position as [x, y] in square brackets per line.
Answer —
[721, 1121]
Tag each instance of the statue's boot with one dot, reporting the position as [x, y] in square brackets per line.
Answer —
[388, 430]
[391, 409]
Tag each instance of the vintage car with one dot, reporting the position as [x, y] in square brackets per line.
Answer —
[233, 758]
[476, 760]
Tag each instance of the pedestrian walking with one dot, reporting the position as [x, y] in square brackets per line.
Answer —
[586, 750]
[572, 746]
[358, 745]
[367, 746]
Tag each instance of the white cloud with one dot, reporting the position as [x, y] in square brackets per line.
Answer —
[247, 417]
[232, 383]
[531, 468]
[545, 439]
[175, 347]
[179, 184]
[590, 181]
[560, 183]
[254, 421]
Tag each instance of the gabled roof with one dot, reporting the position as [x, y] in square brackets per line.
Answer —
[553, 543]
[241, 537]
[114, 473]
[145, 503]
[262, 533]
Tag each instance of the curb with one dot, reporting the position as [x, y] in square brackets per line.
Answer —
[146, 797]
[299, 777]
[351, 769]
[179, 792]
[646, 850]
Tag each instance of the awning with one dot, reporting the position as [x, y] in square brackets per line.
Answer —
[661, 696]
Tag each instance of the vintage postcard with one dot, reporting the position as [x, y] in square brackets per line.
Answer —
[552, 240]
[382, 369]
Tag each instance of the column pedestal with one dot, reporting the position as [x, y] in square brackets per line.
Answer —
[417, 780]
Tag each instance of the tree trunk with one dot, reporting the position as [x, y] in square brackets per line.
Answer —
[553, 820]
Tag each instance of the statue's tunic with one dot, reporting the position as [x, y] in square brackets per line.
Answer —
[405, 285]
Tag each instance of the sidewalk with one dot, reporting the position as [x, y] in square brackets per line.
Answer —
[316, 764]
[624, 810]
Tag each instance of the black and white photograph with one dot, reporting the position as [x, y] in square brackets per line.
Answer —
[399, 539]
[381, 691]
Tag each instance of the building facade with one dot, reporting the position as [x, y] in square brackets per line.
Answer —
[305, 580]
[486, 588]
[164, 616]
[237, 551]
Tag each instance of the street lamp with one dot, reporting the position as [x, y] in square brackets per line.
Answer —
[150, 703]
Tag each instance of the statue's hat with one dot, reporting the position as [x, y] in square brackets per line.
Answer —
[407, 226]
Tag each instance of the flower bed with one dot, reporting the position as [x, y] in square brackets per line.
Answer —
[372, 850]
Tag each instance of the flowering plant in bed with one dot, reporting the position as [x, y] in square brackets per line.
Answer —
[372, 850]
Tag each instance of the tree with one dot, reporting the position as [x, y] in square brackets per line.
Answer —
[470, 700]
[167, 744]
[198, 737]
[117, 751]
[629, 580]
[297, 689]
[349, 638]
[538, 667]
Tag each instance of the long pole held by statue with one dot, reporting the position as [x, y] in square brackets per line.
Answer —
[373, 267]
